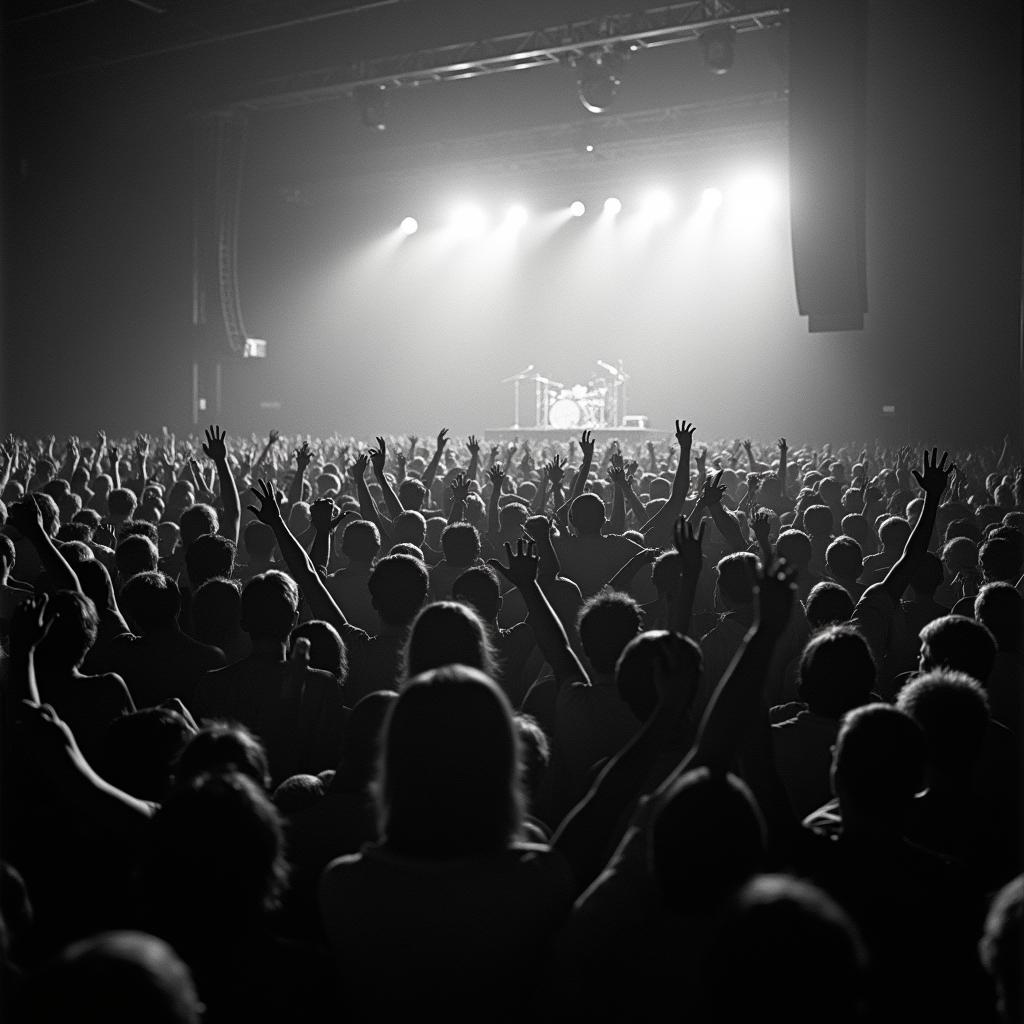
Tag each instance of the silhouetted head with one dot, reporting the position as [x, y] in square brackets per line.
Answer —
[121, 502]
[196, 521]
[73, 628]
[837, 672]
[398, 587]
[412, 494]
[1002, 949]
[586, 514]
[534, 755]
[209, 556]
[258, 540]
[361, 744]
[410, 527]
[844, 559]
[999, 607]
[461, 544]
[270, 604]
[448, 786]
[737, 574]
[827, 604]
[136, 554]
[795, 547]
[479, 588]
[151, 601]
[960, 644]
[606, 623]
[217, 611]
[893, 534]
[1000, 560]
[326, 648]
[448, 633]
[140, 751]
[361, 541]
[221, 748]
[819, 521]
[636, 667]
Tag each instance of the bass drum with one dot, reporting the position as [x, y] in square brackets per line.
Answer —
[565, 413]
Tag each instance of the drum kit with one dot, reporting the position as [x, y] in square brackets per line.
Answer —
[599, 403]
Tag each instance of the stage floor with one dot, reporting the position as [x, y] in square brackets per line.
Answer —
[553, 434]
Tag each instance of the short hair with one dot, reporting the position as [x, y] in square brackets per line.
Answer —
[221, 748]
[139, 528]
[737, 574]
[958, 643]
[845, 558]
[89, 516]
[405, 548]
[828, 603]
[197, 520]
[74, 531]
[856, 526]
[893, 533]
[795, 547]
[960, 553]
[587, 514]
[151, 600]
[818, 519]
[8, 552]
[606, 623]
[665, 571]
[326, 648]
[512, 516]
[1001, 560]
[410, 526]
[879, 760]
[534, 753]
[999, 607]
[73, 627]
[398, 586]
[258, 539]
[448, 633]
[1001, 945]
[121, 501]
[952, 709]
[635, 670]
[208, 556]
[478, 586]
[460, 543]
[270, 602]
[694, 876]
[837, 671]
[76, 553]
[217, 610]
[361, 540]
[136, 554]
[963, 528]
[449, 780]
[412, 492]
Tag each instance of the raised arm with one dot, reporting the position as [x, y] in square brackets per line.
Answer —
[578, 485]
[216, 449]
[115, 465]
[325, 519]
[622, 579]
[783, 474]
[497, 477]
[727, 526]
[460, 492]
[300, 565]
[539, 528]
[431, 470]
[933, 481]
[761, 524]
[272, 439]
[474, 457]
[617, 476]
[378, 459]
[28, 520]
[521, 572]
[691, 562]
[303, 456]
[658, 529]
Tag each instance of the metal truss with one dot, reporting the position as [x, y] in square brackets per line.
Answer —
[666, 25]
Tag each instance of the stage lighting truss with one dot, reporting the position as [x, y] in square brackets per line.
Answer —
[597, 78]
[373, 102]
[665, 25]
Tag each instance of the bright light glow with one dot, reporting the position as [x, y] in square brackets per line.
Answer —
[612, 205]
[658, 205]
[577, 209]
[469, 219]
[711, 198]
[516, 216]
[409, 226]
[755, 193]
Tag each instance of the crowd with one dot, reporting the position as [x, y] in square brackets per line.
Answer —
[300, 729]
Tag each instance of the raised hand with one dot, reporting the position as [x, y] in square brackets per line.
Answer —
[521, 570]
[141, 446]
[774, 594]
[761, 524]
[113, 452]
[684, 433]
[358, 468]
[494, 452]
[630, 470]
[753, 484]
[324, 515]
[442, 438]
[783, 445]
[29, 623]
[555, 470]
[273, 437]
[713, 490]
[216, 446]
[104, 536]
[101, 440]
[460, 487]
[747, 445]
[496, 474]
[269, 510]
[935, 477]
[587, 444]
[689, 545]
[617, 476]
[539, 527]
[303, 456]
[379, 456]
[412, 439]
[473, 445]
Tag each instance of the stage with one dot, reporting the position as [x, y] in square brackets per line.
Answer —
[599, 434]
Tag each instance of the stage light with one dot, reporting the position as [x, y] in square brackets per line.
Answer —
[577, 209]
[409, 226]
[658, 205]
[373, 102]
[755, 193]
[597, 81]
[711, 198]
[612, 206]
[716, 45]
[516, 216]
[469, 219]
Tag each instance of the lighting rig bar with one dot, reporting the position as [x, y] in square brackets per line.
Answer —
[561, 44]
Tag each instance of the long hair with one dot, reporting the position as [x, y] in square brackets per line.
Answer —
[448, 783]
[448, 633]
